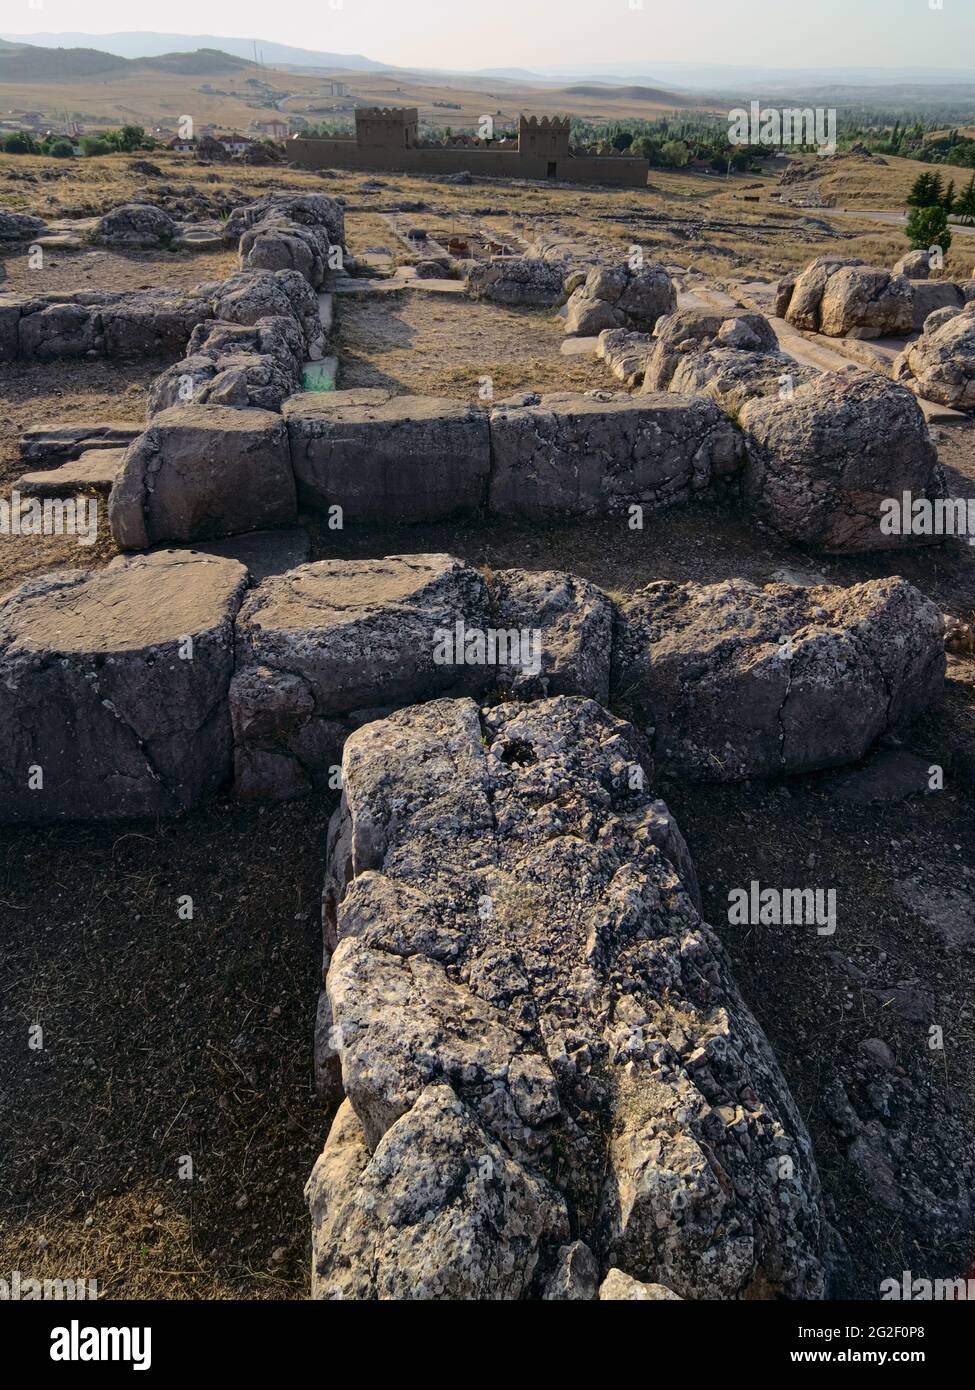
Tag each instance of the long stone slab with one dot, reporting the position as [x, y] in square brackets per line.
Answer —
[597, 454]
[538, 1039]
[95, 470]
[388, 458]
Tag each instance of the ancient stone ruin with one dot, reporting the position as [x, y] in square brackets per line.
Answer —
[540, 1076]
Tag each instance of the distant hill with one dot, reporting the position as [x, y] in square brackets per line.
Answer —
[656, 95]
[25, 63]
[130, 44]
[28, 63]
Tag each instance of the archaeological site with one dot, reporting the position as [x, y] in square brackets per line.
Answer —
[487, 669]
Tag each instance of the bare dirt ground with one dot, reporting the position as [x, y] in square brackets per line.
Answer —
[445, 345]
[62, 271]
[166, 1039]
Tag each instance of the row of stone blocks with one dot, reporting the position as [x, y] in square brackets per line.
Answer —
[817, 455]
[284, 245]
[201, 471]
[142, 688]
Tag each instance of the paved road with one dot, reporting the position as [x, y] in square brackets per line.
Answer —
[897, 218]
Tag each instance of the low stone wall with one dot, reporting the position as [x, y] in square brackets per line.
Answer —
[118, 687]
[147, 323]
[391, 459]
[846, 298]
[285, 242]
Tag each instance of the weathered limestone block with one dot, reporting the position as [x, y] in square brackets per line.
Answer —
[599, 453]
[621, 296]
[861, 302]
[537, 1033]
[736, 681]
[135, 224]
[570, 627]
[730, 377]
[20, 226]
[60, 330]
[626, 354]
[691, 331]
[235, 364]
[307, 209]
[202, 471]
[916, 265]
[940, 365]
[930, 295]
[277, 243]
[800, 296]
[618, 1286]
[151, 323]
[388, 458]
[324, 647]
[113, 684]
[845, 298]
[822, 460]
[519, 281]
[252, 295]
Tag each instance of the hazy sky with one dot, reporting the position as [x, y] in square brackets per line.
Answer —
[523, 33]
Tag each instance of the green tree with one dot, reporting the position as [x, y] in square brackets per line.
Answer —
[948, 201]
[965, 206]
[622, 140]
[921, 195]
[927, 227]
[19, 142]
[675, 154]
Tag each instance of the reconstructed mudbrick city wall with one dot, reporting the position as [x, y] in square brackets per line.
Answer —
[387, 141]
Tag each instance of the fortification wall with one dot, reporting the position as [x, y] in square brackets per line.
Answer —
[623, 171]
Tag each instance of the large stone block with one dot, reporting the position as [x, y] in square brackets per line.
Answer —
[201, 471]
[11, 307]
[151, 324]
[113, 689]
[561, 633]
[822, 460]
[940, 365]
[569, 454]
[324, 647]
[539, 1039]
[737, 681]
[516, 280]
[388, 458]
[60, 330]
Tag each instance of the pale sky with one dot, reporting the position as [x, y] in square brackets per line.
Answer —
[524, 33]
